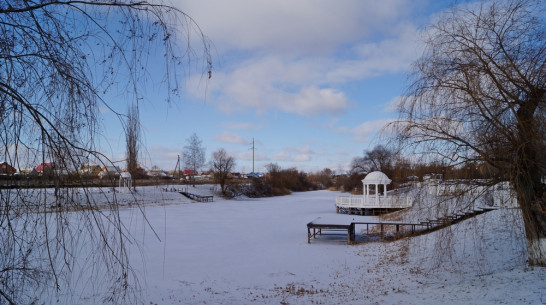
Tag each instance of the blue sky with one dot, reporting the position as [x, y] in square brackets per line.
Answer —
[311, 81]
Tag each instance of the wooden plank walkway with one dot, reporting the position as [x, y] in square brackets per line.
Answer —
[398, 230]
[198, 197]
[190, 195]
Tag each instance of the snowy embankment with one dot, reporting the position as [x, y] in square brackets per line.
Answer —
[255, 251]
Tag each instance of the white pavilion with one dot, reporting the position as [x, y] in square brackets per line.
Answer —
[374, 197]
[125, 180]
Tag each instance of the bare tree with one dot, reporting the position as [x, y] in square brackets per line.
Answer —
[479, 96]
[132, 135]
[323, 178]
[222, 165]
[59, 63]
[194, 154]
[380, 158]
[274, 175]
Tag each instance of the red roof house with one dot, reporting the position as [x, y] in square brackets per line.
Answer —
[44, 167]
[5, 168]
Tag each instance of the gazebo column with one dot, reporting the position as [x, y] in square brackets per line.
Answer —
[376, 193]
[365, 193]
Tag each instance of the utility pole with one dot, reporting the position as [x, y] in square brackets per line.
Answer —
[253, 156]
[177, 166]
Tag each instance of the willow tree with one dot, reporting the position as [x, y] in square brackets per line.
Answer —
[60, 62]
[478, 96]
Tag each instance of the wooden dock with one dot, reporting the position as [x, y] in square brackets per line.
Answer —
[317, 228]
[383, 230]
[329, 228]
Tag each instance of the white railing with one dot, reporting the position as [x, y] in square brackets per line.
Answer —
[370, 202]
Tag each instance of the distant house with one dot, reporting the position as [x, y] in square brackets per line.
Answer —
[188, 172]
[157, 172]
[45, 168]
[140, 172]
[174, 173]
[30, 171]
[6, 169]
[90, 169]
[109, 171]
[255, 175]
[203, 176]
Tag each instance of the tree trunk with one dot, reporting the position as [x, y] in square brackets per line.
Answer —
[526, 177]
[534, 217]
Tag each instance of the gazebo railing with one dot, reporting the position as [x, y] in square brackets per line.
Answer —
[373, 202]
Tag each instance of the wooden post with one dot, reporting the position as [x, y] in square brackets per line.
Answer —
[351, 234]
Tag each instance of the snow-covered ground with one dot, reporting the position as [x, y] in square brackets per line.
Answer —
[255, 251]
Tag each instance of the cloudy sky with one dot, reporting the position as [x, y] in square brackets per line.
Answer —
[311, 81]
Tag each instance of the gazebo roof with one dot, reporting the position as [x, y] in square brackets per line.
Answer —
[376, 178]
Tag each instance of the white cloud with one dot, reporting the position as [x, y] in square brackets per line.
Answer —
[247, 156]
[312, 100]
[295, 56]
[295, 154]
[365, 131]
[307, 26]
[229, 137]
[393, 104]
[282, 156]
[272, 84]
[302, 158]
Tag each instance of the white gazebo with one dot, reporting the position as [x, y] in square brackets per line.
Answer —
[376, 179]
[125, 180]
[372, 182]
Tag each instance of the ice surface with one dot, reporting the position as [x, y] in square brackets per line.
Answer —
[255, 251]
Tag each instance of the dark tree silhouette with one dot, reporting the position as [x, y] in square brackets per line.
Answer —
[222, 165]
[380, 158]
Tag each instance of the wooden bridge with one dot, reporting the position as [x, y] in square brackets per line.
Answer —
[387, 230]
